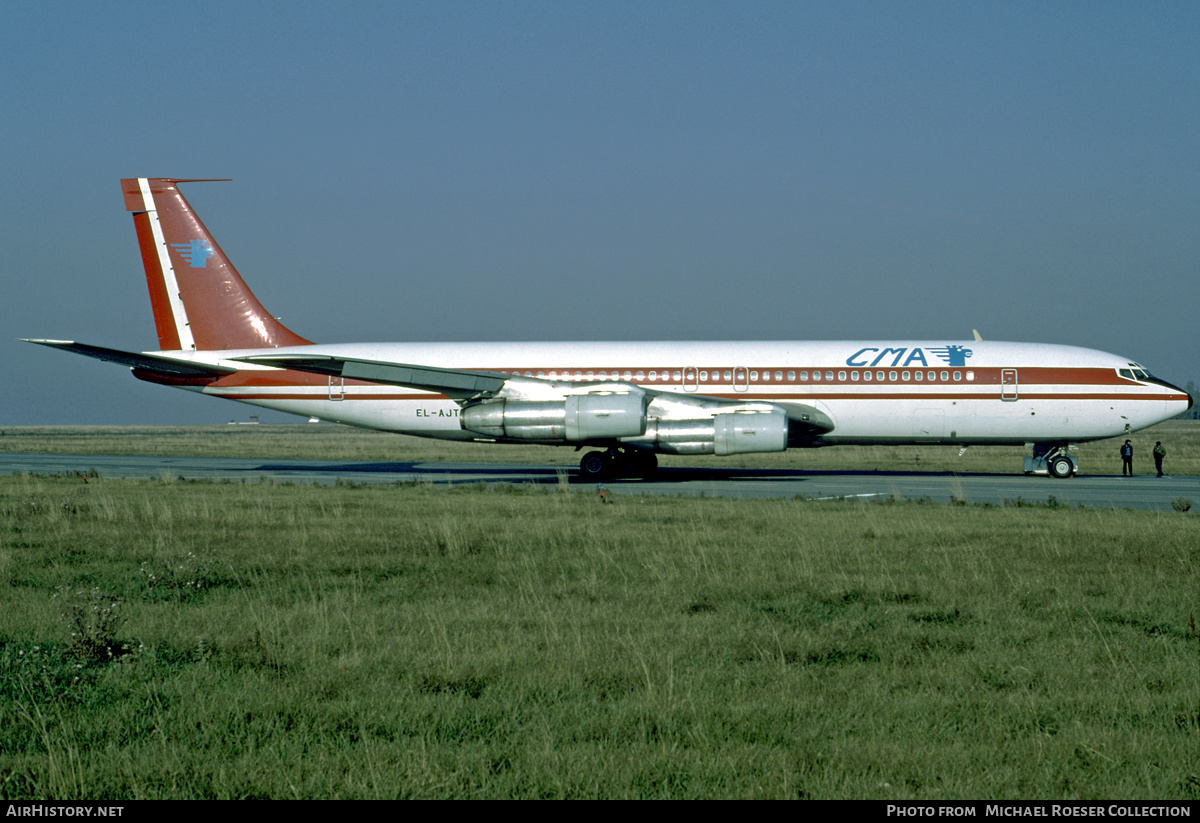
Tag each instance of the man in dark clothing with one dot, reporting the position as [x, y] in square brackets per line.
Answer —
[1159, 454]
[1127, 459]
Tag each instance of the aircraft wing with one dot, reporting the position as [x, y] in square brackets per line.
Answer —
[453, 383]
[471, 387]
[147, 365]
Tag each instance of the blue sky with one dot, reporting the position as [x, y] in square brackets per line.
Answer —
[575, 170]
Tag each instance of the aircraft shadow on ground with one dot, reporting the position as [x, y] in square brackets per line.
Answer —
[544, 474]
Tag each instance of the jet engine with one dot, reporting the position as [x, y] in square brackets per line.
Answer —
[576, 418]
[725, 433]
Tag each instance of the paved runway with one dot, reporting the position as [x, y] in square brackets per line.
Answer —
[1103, 491]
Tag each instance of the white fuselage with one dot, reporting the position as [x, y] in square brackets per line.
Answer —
[873, 392]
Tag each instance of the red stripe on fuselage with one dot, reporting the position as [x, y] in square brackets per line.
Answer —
[1033, 383]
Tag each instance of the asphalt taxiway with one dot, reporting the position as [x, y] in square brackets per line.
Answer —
[1098, 491]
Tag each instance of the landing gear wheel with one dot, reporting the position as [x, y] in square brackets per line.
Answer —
[593, 466]
[1060, 467]
[642, 463]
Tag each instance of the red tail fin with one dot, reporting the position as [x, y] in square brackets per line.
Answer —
[200, 302]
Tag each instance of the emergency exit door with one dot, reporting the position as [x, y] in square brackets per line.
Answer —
[1008, 384]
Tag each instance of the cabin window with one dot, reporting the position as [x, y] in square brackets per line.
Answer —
[677, 376]
[728, 375]
[854, 375]
[842, 376]
[920, 376]
[945, 376]
[892, 376]
[828, 375]
[970, 375]
[957, 376]
[754, 375]
[792, 376]
[779, 375]
[904, 376]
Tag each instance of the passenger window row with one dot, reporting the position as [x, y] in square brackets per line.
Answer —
[755, 376]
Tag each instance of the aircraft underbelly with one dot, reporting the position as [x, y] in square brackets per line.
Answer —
[433, 417]
[980, 421]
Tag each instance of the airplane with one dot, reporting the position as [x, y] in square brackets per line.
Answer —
[626, 401]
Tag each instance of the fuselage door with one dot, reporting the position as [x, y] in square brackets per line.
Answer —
[741, 379]
[691, 379]
[337, 387]
[1008, 384]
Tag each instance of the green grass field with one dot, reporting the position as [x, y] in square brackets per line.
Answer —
[205, 640]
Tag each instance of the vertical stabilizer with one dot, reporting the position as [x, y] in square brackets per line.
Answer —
[200, 302]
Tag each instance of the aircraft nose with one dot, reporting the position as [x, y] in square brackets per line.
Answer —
[1190, 400]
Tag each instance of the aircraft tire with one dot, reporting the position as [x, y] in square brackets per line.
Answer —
[643, 463]
[1060, 467]
[593, 466]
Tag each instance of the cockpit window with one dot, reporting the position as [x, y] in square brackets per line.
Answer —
[1135, 372]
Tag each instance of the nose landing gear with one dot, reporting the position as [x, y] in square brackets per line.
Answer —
[1053, 459]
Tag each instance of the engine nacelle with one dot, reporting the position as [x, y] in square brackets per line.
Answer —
[729, 433]
[525, 420]
[576, 418]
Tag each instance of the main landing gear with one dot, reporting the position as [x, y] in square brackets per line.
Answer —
[617, 462]
[1053, 459]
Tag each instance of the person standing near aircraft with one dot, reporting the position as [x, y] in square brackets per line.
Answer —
[1127, 460]
[1159, 454]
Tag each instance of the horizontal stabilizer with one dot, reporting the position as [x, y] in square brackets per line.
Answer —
[151, 364]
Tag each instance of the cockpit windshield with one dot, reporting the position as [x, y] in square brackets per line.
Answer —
[1135, 372]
